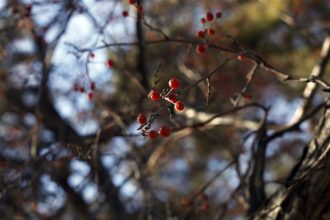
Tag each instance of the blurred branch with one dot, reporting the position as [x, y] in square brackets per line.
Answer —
[192, 209]
[296, 126]
[141, 62]
[246, 53]
[256, 184]
[208, 75]
[237, 98]
[220, 118]
[60, 174]
[310, 89]
[210, 181]
[116, 207]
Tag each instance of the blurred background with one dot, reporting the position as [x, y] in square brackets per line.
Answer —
[76, 73]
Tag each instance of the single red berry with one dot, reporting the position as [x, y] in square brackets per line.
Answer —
[132, 2]
[240, 57]
[81, 90]
[210, 31]
[152, 135]
[164, 131]
[200, 48]
[171, 98]
[91, 55]
[201, 34]
[90, 95]
[125, 13]
[76, 87]
[206, 207]
[203, 20]
[179, 106]
[109, 63]
[140, 10]
[174, 83]
[141, 119]
[92, 85]
[154, 95]
[218, 15]
[247, 97]
[209, 16]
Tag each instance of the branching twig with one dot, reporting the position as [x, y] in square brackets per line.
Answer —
[295, 126]
[315, 78]
[236, 100]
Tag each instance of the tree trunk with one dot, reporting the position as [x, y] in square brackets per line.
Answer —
[307, 195]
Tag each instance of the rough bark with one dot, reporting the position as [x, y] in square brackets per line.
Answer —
[307, 194]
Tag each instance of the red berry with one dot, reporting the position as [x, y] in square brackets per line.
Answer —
[203, 20]
[179, 106]
[164, 131]
[210, 31]
[218, 15]
[132, 2]
[171, 98]
[247, 97]
[90, 95]
[92, 85]
[174, 83]
[154, 95]
[200, 34]
[200, 48]
[141, 119]
[139, 10]
[206, 207]
[109, 63]
[209, 16]
[91, 55]
[81, 90]
[76, 87]
[152, 135]
[125, 13]
[240, 57]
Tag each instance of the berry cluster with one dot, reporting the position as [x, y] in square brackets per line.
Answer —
[109, 63]
[81, 89]
[170, 95]
[209, 17]
[90, 88]
[145, 123]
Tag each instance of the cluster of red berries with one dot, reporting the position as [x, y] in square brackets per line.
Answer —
[109, 63]
[78, 88]
[163, 131]
[81, 89]
[170, 95]
[201, 48]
